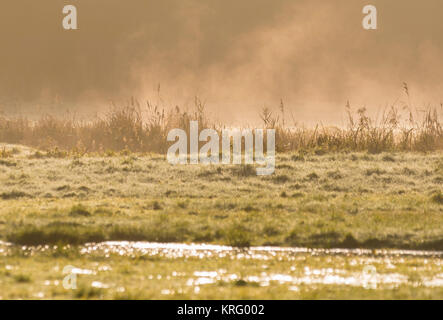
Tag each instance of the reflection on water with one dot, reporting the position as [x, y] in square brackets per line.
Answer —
[308, 276]
[351, 267]
[319, 276]
[180, 250]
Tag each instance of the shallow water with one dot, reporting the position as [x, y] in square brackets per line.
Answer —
[366, 277]
[370, 269]
[179, 250]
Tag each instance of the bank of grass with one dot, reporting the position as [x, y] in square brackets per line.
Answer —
[335, 226]
[352, 200]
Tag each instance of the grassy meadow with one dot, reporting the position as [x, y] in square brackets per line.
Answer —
[67, 185]
[334, 200]
[57, 203]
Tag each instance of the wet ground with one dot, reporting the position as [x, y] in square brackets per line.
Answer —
[200, 271]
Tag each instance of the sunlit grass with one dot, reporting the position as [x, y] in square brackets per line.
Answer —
[336, 200]
[60, 201]
[144, 128]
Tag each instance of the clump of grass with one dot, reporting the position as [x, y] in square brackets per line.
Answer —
[161, 229]
[375, 171]
[388, 158]
[244, 170]
[438, 197]
[297, 195]
[293, 237]
[103, 211]
[22, 278]
[13, 195]
[156, 205]
[55, 234]
[439, 167]
[5, 153]
[271, 230]
[182, 204]
[7, 163]
[127, 233]
[238, 236]
[124, 129]
[335, 175]
[312, 176]
[244, 283]
[350, 242]
[421, 132]
[79, 210]
[280, 179]
[320, 151]
[409, 172]
[249, 208]
[86, 292]
[64, 187]
[298, 157]
[74, 234]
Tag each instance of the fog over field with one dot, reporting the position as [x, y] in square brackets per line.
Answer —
[221, 149]
[236, 55]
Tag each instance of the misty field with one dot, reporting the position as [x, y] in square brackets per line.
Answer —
[55, 204]
[110, 112]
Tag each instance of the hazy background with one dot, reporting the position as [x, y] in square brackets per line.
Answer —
[237, 55]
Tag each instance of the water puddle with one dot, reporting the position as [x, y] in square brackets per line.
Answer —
[318, 277]
[181, 250]
[367, 276]
[274, 266]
